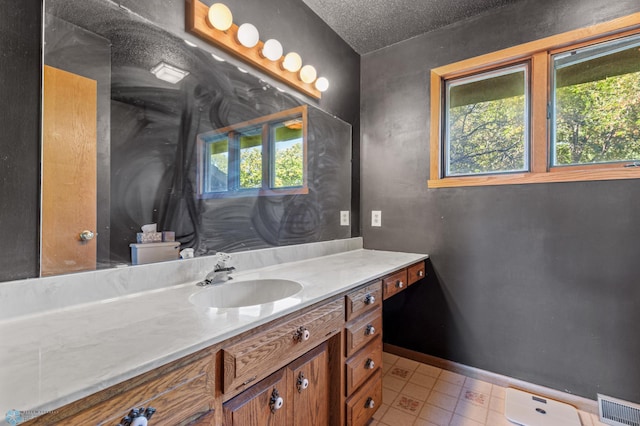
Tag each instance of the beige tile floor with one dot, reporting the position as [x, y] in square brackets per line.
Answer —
[424, 395]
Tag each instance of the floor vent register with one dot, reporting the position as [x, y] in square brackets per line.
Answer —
[617, 412]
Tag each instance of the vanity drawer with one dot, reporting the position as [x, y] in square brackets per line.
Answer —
[257, 356]
[394, 283]
[363, 364]
[415, 273]
[363, 404]
[363, 330]
[182, 394]
[363, 300]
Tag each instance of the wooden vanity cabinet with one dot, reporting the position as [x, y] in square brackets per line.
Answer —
[400, 280]
[251, 359]
[181, 392]
[394, 283]
[253, 406]
[416, 272]
[363, 352]
[363, 364]
[363, 404]
[363, 300]
[295, 395]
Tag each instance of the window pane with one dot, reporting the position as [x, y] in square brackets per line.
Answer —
[288, 155]
[487, 123]
[251, 158]
[217, 168]
[597, 104]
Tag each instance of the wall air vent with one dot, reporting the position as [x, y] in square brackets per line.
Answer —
[617, 412]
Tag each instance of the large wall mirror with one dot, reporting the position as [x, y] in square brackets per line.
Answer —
[225, 160]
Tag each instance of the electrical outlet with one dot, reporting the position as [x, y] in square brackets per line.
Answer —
[344, 218]
[376, 218]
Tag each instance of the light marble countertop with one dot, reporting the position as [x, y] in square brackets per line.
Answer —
[52, 359]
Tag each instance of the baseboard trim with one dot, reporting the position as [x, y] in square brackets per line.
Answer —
[579, 402]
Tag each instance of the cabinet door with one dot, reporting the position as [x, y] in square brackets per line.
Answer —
[309, 389]
[259, 405]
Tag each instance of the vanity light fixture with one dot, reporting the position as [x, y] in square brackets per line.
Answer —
[219, 17]
[308, 74]
[169, 73]
[322, 84]
[215, 24]
[272, 50]
[248, 35]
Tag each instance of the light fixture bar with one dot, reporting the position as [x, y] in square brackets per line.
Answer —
[196, 18]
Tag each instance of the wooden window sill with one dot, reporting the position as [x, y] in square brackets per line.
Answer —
[555, 175]
[256, 193]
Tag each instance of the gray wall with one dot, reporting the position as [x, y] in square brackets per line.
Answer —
[538, 282]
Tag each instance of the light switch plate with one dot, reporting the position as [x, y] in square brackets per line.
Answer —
[344, 218]
[376, 218]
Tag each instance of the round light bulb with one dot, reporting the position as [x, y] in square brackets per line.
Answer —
[272, 50]
[292, 62]
[322, 84]
[308, 74]
[248, 35]
[220, 17]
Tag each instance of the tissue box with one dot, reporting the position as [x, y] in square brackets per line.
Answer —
[149, 237]
[154, 252]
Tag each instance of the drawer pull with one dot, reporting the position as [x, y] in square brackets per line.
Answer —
[370, 364]
[302, 334]
[421, 273]
[276, 402]
[370, 330]
[370, 403]
[399, 284]
[302, 383]
[369, 299]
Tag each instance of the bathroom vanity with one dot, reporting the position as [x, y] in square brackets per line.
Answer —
[314, 355]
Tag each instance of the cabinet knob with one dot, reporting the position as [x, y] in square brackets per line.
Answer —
[137, 417]
[370, 364]
[370, 330]
[139, 421]
[302, 382]
[399, 284]
[369, 299]
[302, 334]
[370, 403]
[276, 402]
[87, 235]
[421, 273]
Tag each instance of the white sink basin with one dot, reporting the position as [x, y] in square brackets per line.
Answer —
[237, 294]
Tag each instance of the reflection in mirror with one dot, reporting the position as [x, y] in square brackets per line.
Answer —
[220, 157]
[266, 156]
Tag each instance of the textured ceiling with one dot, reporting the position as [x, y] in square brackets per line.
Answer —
[368, 25]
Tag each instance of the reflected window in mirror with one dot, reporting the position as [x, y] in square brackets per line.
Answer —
[287, 150]
[265, 156]
[250, 141]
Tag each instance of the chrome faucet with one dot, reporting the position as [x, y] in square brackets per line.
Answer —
[220, 273]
